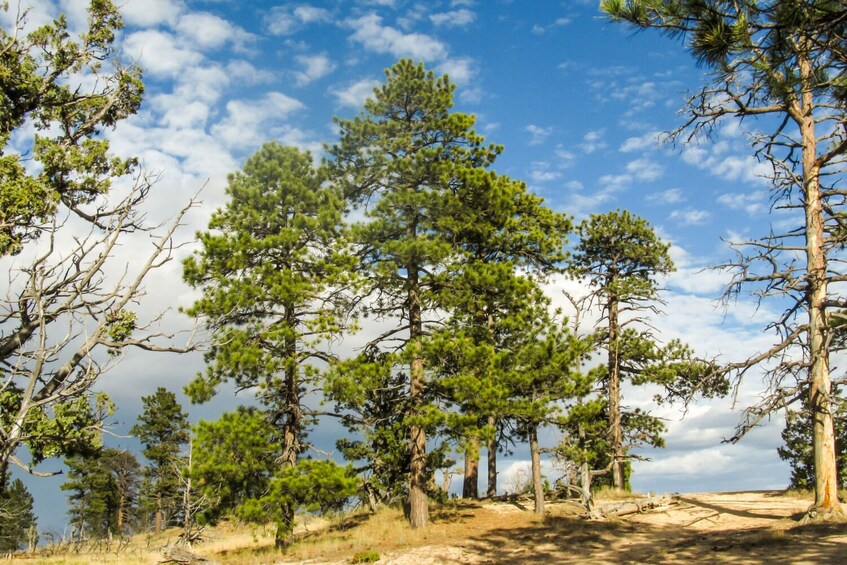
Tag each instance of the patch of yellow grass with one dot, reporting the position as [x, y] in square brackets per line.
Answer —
[613, 494]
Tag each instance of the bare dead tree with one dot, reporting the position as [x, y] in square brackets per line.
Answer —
[780, 66]
[67, 318]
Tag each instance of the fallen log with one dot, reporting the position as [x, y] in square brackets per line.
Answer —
[179, 556]
[650, 503]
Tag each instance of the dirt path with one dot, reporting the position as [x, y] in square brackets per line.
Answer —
[758, 527]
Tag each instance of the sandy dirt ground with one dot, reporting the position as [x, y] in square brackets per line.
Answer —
[750, 527]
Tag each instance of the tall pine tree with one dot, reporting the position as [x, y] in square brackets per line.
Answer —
[163, 429]
[400, 162]
[271, 277]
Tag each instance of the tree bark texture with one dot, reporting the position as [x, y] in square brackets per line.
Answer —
[418, 504]
[826, 483]
[615, 433]
[537, 487]
[492, 459]
[470, 484]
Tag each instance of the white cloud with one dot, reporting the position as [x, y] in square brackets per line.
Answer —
[690, 216]
[314, 67]
[645, 170]
[208, 31]
[369, 31]
[461, 70]
[566, 158]
[615, 183]
[670, 196]
[285, 20]
[454, 18]
[728, 157]
[538, 134]
[354, 95]
[593, 141]
[150, 13]
[649, 140]
[160, 54]
[540, 172]
[751, 202]
[248, 122]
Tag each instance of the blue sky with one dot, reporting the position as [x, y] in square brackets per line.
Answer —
[578, 103]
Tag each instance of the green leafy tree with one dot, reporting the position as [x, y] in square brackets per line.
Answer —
[508, 240]
[163, 429]
[546, 373]
[778, 65]
[310, 485]
[409, 163]
[233, 460]
[17, 520]
[621, 258]
[799, 450]
[103, 492]
[270, 277]
[42, 85]
[373, 410]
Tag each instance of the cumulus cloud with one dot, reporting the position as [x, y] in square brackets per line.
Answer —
[374, 36]
[565, 158]
[540, 171]
[314, 67]
[649, 140]
[248, 121]
[208, 31]
[161, 54]
[354, 95]
[461, 70]
[645, 170]
[753, 203]
[454, 18]
[150, 13]
[286, 20]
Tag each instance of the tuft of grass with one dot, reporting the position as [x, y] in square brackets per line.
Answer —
[369, 556]
[611, 493]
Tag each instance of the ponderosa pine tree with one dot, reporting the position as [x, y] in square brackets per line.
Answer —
[508, 240]
[17, 520]
[233, 459]
[799, 451]
[545, 373]
[402, 161]
[621, 258]
[784, 62]
[271, 281]
[163, 428]
[103, 491]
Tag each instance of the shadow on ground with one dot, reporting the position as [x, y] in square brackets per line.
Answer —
[572, 540]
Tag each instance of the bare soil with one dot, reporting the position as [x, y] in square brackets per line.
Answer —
[748, 527]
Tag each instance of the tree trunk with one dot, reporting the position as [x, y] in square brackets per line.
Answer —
[470, 485]
[157, 519]
[418, 504]
[615, 433]
[285, 527]
[826, 483]
[492, 459]
[535, 454]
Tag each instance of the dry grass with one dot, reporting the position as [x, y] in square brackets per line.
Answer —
[713, 528]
